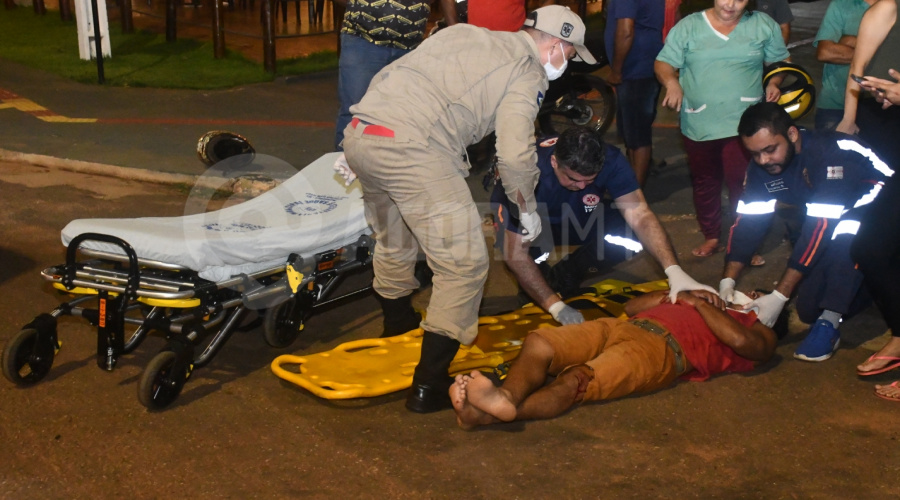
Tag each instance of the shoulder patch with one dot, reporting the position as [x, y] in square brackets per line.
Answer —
[549, 142]
[540, 98]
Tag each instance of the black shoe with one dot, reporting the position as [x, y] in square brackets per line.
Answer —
[399, 315]
[425, 398]
[431, 382]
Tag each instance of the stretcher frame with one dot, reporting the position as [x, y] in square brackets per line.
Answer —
[113, 290]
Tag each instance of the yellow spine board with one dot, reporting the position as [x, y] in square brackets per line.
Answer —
[374, 367]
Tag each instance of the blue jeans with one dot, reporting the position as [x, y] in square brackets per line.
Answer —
[360, 62]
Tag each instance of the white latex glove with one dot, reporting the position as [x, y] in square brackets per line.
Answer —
[768, 307]
[565, 314]
[680, 281]
[726, 290]
[343, 169]
[531, 225]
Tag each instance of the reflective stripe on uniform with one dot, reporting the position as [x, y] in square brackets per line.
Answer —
[870, 196]
[629, 244]
[756, 207]
[851, 145]
[845, 227]
[825, 210]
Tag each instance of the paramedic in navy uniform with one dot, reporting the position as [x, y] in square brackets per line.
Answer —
[836, 177]
[576, 171]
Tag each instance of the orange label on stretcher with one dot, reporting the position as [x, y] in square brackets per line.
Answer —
[324, 266]
[102, 318]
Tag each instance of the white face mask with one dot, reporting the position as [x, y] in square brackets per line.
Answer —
[552, 71]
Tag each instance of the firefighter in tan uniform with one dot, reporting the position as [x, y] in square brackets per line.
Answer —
[407, 141]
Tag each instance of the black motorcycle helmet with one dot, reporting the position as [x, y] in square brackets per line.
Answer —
[217, 145]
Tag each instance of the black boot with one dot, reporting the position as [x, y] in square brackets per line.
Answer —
[431, 381]
[399, 315]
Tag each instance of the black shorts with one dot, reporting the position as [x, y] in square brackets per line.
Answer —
[636, 109]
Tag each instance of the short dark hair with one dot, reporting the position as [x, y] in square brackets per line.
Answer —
[767, 115]
[581, 150]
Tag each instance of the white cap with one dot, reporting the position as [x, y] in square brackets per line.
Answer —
[561, 22]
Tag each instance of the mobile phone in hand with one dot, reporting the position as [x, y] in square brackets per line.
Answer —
[858, 79]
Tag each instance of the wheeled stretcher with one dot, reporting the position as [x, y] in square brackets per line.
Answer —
[193, 278]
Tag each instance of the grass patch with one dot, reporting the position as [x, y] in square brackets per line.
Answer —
[140, 59]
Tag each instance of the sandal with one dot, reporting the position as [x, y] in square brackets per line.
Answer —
[757, 260]
[895, 384]
[886, 368]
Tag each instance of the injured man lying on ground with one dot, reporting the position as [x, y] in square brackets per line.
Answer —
[694, 338]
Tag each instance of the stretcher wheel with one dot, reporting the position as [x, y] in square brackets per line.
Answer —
[159, 385]
[281, 326]
[26, 360]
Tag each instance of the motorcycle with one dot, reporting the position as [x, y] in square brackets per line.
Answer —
[578, 98]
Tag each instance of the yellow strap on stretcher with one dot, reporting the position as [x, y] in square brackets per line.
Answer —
[173, 303]
[79, 290]
[374, 367]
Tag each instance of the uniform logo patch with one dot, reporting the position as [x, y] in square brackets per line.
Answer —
[549, 142]
[776, 185]
[566, 30]
[540, 98]
[835, 173]
[590, 201]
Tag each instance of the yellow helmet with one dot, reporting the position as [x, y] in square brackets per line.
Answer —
[217, 145]
[798, 92]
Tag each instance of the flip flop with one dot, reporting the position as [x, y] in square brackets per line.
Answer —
[895, 383]
[886, 368]
[757, 260]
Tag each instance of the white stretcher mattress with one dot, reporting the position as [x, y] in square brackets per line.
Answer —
[310, 212]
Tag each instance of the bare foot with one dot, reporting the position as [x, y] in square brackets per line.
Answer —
[888, 355]
[467, 415]
[489, 399]
[708, 248]
[890, 392]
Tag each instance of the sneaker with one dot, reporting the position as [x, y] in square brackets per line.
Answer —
[821, 342]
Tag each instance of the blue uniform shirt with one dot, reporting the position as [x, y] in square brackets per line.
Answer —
[836, 176]
[559, 205]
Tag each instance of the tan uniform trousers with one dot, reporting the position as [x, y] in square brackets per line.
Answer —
[417, 198]
[626, 359]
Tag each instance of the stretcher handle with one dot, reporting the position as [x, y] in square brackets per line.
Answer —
[134, 273]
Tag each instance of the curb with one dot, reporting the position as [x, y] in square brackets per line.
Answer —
[127, 173]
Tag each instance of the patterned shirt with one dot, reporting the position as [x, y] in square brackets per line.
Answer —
[393, 23]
